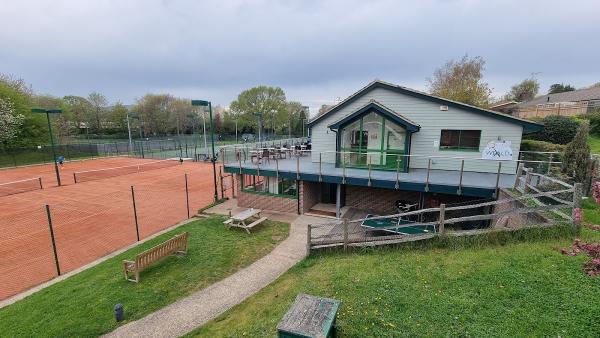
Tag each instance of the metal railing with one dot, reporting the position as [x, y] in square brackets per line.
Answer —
[240, 156]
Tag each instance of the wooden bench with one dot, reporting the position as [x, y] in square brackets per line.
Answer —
[174, 246]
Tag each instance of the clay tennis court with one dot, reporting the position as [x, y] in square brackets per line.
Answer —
[90, 219]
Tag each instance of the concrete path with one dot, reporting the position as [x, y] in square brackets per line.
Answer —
[195, 310]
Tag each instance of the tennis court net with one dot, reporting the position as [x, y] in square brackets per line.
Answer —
[99, 174]
[16, 187]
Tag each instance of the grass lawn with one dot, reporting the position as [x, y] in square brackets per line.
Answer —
[594, 142]
[82, 306]
[518, 289]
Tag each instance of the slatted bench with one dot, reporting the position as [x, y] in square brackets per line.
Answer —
[174, 246]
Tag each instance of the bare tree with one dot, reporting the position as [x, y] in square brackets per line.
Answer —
[98, 103]
[462, 81]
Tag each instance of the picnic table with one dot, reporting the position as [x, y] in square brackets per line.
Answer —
[239, 220]
[310, 316]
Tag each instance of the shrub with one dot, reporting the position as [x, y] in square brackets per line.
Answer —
[533, 145]
[576, 158]
[595, 123]
[557, 129]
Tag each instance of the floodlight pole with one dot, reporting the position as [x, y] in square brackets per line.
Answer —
[48, 111]
[212, 141]
[129, 133]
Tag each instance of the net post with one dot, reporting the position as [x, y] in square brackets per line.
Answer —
[74, 177]
[52, 239]
[187, 196]
[137, 229]
[40, 180]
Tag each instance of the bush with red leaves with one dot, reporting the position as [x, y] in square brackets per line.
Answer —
[592, 267]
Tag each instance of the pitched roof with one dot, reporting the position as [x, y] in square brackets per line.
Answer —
[527, 125]
[592, 93]
[374, 105]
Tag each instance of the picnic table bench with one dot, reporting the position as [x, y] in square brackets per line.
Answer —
[309, 316]
[239, 220]
[174, 246]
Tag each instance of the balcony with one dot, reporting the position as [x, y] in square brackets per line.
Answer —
[299, 164]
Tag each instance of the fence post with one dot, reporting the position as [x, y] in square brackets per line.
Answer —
[442, 227]
[308, 235]
[576, 212]
[52, 239]
[137, 229]
[527, 180]
[397, 184]
[345, 234]
[519, 169]
[232, 186]
[187, 195]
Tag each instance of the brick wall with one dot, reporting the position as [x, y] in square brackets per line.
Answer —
[266, 202]
[377, 200]
[310, 194]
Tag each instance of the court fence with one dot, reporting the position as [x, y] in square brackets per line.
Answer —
[537, 200]
[41, 243]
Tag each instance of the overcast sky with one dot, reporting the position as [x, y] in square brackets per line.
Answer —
[315, 50]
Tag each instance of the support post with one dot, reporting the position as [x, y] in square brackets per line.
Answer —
[240, 162]
[52, 239]
[277, 168]
[498, 179]
[135, 217]
[519, 170]
[462, 168]
[308, 235]
[576, 212]
[74, 177]
[343, 168]
[397, 185]
[338, 200]
[298, 167]
[369, 160]
[345, 234]
[187, 196]
[442, 218]
[320, 171]
[428, 171]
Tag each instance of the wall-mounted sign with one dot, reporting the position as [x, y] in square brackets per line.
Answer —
[498, 150]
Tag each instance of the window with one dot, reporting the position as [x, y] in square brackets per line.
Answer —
[460, 140]
[270, 186]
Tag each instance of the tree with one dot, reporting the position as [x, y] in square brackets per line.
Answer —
[153, 112]
[32, 130]
[462, 81]
[560, 88]
[270, 101]
[118, 117]
[576, 158]
[10, 121]
[524, 91]
[98, 103]
[81, 111]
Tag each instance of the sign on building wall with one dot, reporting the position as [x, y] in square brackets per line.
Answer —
[498, 150]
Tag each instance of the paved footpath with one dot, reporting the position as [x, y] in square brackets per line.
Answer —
[195, 310]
